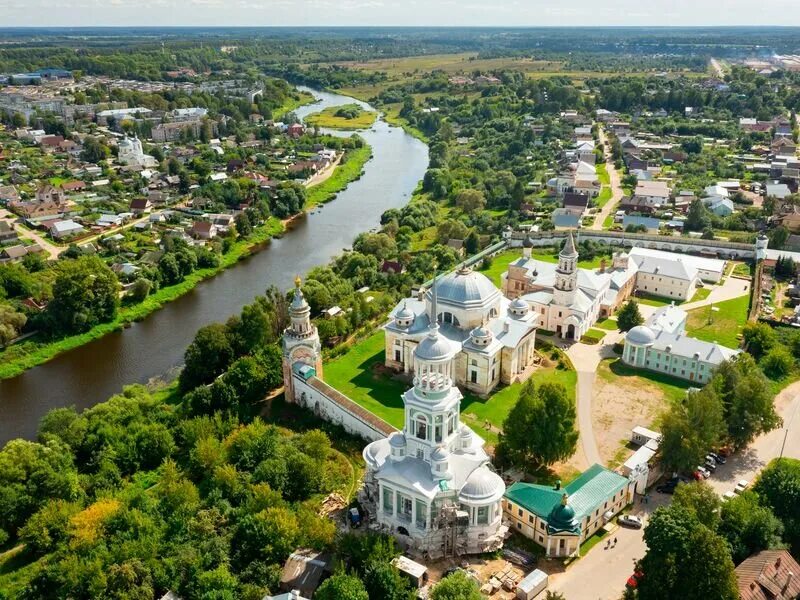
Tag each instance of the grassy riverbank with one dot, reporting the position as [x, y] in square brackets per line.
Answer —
[18, 358]
[349, 170]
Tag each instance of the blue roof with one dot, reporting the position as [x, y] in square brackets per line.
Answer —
[649, 222]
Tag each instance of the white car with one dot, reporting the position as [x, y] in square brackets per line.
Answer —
[704, 472]
[741, 486]
[728, 496]
[631, 521]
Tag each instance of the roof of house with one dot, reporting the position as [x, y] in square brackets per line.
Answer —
[769, 575]
[652, 188]
[577, 200]
[304, 570]
[585, 494]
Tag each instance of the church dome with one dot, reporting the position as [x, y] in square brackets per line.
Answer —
[440, 454]
[397, 440]
[404, 314]
[466, 287]
[481, 335]
[519, 307]
[482, 487]
[562, 518]
[640, 336]
[434, 348]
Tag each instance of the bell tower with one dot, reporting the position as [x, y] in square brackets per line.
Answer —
[566, 274]
[300, 341]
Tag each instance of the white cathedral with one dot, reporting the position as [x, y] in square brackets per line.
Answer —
[431, 484]
[131, 153]
[491, 337]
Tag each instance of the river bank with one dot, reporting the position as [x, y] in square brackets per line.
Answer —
[153, 347]
[17, 359]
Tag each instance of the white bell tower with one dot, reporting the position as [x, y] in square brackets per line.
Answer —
[566, 274]
[300, 341]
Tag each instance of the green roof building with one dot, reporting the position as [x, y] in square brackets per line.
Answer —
[560, 519]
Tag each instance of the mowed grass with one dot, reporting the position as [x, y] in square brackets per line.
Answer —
[330, 119]
[607, 324]
[501, 261]
[723, 325]
[359, 376]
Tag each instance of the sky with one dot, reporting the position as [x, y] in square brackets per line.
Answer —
[77, 13]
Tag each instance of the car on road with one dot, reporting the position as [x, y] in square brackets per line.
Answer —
[741, 486]
[631, 521]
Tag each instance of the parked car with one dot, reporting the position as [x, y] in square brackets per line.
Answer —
[728, 496]
[718, 458]
[710, 465]
[698, 475]
[704, 472]
[354, 517]
[741, 486]
[633, 580]
[631, 521]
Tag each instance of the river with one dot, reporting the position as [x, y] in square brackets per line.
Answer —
[91, 373]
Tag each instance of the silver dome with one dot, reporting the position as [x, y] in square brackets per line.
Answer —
[640, 336]
[440, 454]
[466, 287]
[405, 313]
[397, 440]
[434, 348]
[482, 486]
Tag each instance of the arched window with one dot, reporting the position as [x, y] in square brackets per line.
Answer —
[421, 429]
[448, 317]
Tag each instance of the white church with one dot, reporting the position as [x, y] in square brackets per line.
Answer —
[431, 484]
[131, 153]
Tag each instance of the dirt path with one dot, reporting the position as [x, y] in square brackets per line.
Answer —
[616, 184]
[325, 174]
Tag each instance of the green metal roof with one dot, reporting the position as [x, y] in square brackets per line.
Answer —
[586, 493]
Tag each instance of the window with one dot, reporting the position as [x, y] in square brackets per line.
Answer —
[473, 376]
[437, 428]
[483, 515]
[398, 355]
[519, 512]
[541, 540]
[388, 500]
[422, 513]
[519, 525]
[530, 518]
[422, 428]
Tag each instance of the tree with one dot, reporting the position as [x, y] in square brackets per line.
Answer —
[778, 363]
[685, 559]
[748, 527]
[697, 217]
[759, 338]
[690, 428]
[748, 401]
[342, 587]
[471, 201]
[778, 487]
[473, 243]
[701, 500]
[629, 317]
[541, 426]
[140, 289]
[207, 356]
[85, 294]
[457, 586]
[11, 323]
[383, 580]
[93, 150]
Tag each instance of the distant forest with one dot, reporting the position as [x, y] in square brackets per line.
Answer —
[159, 49]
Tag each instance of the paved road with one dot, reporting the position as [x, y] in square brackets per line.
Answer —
[616, 184]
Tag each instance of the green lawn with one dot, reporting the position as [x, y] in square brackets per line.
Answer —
[329, 118]
[602, 173]
[593, 336]
[352, 374]
[607, 324]
[500, 265]
[674, 389]
[348, 170]
[604, 196]
[608, 222]
[723, 325]
[651, 300]
[701, 294]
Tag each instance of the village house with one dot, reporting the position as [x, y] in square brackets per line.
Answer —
[65, 229]
[648, 197]
[8, 234]
[769, 575]
[204, 230]
[50, 200]
[141, 206]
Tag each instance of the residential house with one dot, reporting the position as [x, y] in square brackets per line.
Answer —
[295, 130]
[73, 186]
[778, 190]
[49, 201]
[783, 146]
[649, 197]
[65, 229]
[204, 230]
[719, 205]
[8, 194]
[575, 203]
[564, 219]
[304, 571]
[769, 575]
[457, 245]
[7, 233]
[141, 206]
[109, 221]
